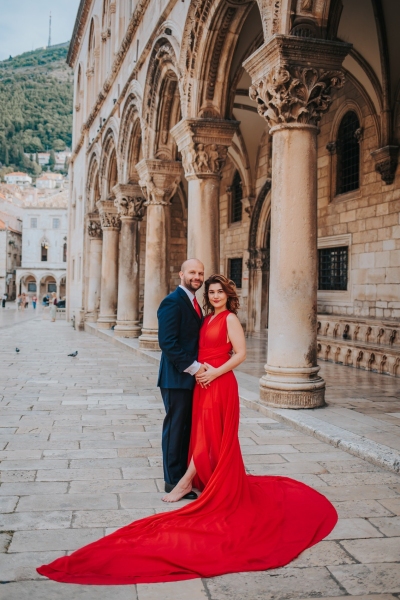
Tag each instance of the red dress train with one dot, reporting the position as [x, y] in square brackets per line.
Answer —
[239, 523]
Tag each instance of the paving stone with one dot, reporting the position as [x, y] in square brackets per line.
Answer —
[374, 550]
[117, 486]
[67, 502]
[366, 492]
[35, 520]
[360, 478]
[108, 518]
[366, 579]
[392, 504]
[177, 590]
[22, 565]
[354, 465]
[8, 503]
[33, 487]
[278, 584]
[5, 539]
[17, 476]
[32, 465]
[348, 529]
[389, 526]
[49, 590]
[321, 555]
[78, 474]
[361, 508]
[61, 539]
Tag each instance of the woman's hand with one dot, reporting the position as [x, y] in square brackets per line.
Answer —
[208, 376]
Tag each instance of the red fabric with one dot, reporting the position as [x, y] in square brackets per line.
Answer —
[239, 523]
[196, 306]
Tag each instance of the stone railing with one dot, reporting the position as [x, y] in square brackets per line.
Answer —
[370, 344]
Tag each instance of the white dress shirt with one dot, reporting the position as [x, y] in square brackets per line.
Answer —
[194, 367]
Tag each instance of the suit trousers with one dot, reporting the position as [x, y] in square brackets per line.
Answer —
[176, 432]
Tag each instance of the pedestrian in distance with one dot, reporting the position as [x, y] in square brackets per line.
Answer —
[3, 300]
[53, 306]
[34, 300]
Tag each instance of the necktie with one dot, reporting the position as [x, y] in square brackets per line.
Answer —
[196, 306]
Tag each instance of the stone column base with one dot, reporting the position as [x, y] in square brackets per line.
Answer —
[292, 388]
[149, 339]
[91, 317]
[128, 329]
[106, 322]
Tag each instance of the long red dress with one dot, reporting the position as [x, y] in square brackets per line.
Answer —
[239, 523]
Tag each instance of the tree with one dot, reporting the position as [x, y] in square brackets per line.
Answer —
[59, 145]
[52, 160]
[6, 157]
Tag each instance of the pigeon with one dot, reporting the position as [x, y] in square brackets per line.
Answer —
[16, 349]
[74, 354]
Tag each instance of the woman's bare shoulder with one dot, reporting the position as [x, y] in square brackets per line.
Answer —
[233, 319]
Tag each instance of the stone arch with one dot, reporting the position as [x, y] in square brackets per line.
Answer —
[161, 104]
[109, 165]
[258, 263]
[93, 183]
[93, 59]
[130, 138]
[210, 34]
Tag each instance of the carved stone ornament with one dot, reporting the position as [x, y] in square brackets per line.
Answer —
[130, 207]
[204, 144]
[159, 180]
[94, 230]
[386, 160]
[307, 5]
[110, 220]
[258, 259]
[331, 147]
[293, 78]
[295, 94]
[129, 201]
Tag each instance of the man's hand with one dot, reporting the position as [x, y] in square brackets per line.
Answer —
[202, 370]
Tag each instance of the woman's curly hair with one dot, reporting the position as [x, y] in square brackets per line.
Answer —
[229, 288]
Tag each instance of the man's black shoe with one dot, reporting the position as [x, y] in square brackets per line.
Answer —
[190, 496]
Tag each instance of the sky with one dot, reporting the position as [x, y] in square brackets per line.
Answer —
[24, 24]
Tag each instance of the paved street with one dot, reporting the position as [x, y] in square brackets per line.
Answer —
[80, 456]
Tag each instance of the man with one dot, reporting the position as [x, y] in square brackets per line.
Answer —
[4, 300]
[179, 322]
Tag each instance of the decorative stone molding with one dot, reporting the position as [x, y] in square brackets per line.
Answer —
[204, 145]
[386, 160]
[258, 259]
[109, 218]
[293, 78]
[159, 179]
[331, 147]
[94, 229]
[129, 201]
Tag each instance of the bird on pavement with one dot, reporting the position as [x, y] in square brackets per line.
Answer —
[74, 354]
[16, 349]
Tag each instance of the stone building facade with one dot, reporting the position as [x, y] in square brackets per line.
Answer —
[261, 137]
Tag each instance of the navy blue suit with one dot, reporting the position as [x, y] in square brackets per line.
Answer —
[178, 336]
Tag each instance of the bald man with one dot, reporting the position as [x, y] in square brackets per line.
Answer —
[179, 322]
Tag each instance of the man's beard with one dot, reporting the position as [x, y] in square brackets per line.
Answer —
[188, 285]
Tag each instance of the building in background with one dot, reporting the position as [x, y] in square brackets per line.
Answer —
[18, 178]
[10, 247]
[44, 246]
[49, 181]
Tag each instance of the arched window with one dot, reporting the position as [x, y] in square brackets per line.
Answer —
[236, 198]
[91, 63]
[348, 154]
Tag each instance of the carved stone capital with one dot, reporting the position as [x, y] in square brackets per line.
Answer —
[94, 229]
[109, 218]
[331, 147]
[159, 179]
[386, 160]
[293, 78]
[258, 258]
[129, 201]
[204, 144]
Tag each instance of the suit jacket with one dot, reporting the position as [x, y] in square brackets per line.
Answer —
[178, 336]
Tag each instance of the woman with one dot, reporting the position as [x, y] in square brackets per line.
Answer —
[53, 307]
[240, 522]
[34, 301]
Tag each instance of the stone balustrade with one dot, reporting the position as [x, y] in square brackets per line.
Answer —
[370, 344]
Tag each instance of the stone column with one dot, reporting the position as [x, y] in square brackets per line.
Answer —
[204, 144]
[292, 96]
[110, 224]
[130, 204]
[159, 180]
[95, 233]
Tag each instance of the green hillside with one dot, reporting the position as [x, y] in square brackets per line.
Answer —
[36, 96]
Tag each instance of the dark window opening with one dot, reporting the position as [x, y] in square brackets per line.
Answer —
[348, 154]
[236, 201]
[235, 271]
[333, 267]
[65, 253]
[31, 286]
[44, 253]
[51, 287]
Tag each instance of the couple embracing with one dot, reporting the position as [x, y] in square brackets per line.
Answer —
[239, 522]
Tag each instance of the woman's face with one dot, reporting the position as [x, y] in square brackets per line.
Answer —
[217, 296]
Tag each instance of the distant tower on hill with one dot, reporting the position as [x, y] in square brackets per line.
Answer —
[49, 44]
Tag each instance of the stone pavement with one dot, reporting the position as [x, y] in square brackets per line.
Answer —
[80, 456]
